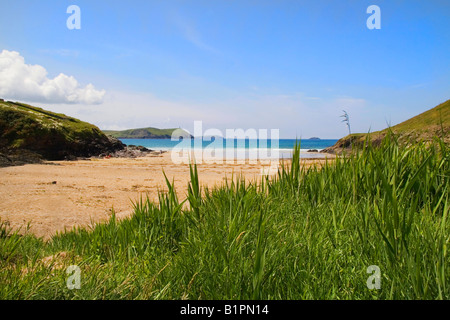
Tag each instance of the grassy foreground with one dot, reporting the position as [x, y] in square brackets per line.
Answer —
[308, 234]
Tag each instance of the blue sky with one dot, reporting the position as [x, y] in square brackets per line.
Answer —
[291, 65]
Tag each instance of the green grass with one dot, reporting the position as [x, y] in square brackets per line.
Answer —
[20, 121]
[306, 234]
[28, 127]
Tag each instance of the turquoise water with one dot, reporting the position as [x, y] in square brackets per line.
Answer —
[284, 147]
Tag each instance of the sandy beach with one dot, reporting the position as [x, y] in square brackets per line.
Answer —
[59, 195]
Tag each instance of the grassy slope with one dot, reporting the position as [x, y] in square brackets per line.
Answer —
[308, 234]
[23, 126]
[429, 120]
[47, 119]
[425, 126]
[141, 133]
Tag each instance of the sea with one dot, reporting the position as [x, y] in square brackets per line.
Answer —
[242, 147]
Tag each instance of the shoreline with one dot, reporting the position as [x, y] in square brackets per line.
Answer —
[58, 195]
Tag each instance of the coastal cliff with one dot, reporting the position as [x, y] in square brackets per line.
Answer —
[30, 134]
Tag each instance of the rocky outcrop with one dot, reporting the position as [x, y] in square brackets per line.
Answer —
[28, 134]
[131, 151]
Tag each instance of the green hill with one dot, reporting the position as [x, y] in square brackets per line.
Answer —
[428, 121]
[423, 127]
[145, 133]
[32, 131]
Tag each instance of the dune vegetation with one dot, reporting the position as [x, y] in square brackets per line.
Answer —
[306, 233]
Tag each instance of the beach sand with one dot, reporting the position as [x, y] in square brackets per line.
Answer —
[59, 195]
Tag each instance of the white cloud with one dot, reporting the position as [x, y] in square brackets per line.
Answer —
[25, 82]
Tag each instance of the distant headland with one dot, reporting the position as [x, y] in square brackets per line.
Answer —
[146, 133]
